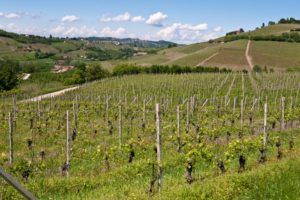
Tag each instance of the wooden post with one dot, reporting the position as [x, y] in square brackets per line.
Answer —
[158, 143]
[187, 115]
[282, 113]
[9, 179]
[75, 116]
[11, 142]
[144, 112]
[265, 126]
[234, 103]
[107, 112]
[14, 106]
[68, 145]
[120, 125]
[178, 128]
[242, 113]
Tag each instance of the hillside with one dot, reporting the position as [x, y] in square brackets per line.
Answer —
[273, 54]
[30, 48]
[228, 51]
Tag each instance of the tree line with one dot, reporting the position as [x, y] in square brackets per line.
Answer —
[82, 73]
[284, 37]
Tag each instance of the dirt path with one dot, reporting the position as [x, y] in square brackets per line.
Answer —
[207, 59]
[26, 76]
[248, 56]
[52, 94]
[250, 63]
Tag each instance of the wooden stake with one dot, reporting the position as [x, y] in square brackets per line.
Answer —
[282, 113]
[11, 142]
[120, 125]
[242, 114]
[144, 112]
[265, 126]
[68, 145]
[158, 143]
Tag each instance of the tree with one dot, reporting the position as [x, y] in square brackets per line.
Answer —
[271, 23]
[8, 74]
[95, 72]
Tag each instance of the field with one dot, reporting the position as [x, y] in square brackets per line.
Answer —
[276, 55]
[279, 55]
[216, 140]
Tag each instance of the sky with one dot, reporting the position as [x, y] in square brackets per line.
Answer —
[181, 21]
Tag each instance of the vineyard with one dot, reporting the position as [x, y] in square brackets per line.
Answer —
[188, 136]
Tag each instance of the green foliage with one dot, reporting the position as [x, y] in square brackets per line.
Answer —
[8, 74]
[27, 38]
[257, 68]
[284, 37]
[289, 21]
[43, 65]
[164, 69]
[124, 69]
[95, 72]
[96, 53]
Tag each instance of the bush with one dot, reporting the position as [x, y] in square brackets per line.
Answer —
[257, 68]
[8, 74]
[94, 72]
[124, 69]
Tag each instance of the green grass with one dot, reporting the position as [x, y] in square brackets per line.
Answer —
[280, 55]
[89, 177]
[277, 29]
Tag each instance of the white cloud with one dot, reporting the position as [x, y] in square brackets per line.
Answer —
[218, 29]
[70, 18]
[137, 19]
[156, 19]
[10, 15]
[107, 31]
[119, 18]
[12, 27]
[185, 33]
[83, 31]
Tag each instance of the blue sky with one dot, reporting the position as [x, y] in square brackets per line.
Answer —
[182, 21]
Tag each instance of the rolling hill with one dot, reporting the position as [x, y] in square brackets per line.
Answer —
[110, 52]
[272, 54]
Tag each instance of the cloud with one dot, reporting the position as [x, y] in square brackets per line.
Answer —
[217, 29]
[119, 18]
[70, 18]
[31, 30]
[156, 19]
[125, 17]
[83, 31]
[119, 32]
[137, 19]
[10, 15]
[185, 33]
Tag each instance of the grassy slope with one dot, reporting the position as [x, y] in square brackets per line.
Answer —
[280, 55]
[277, 29]
[231, 55]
